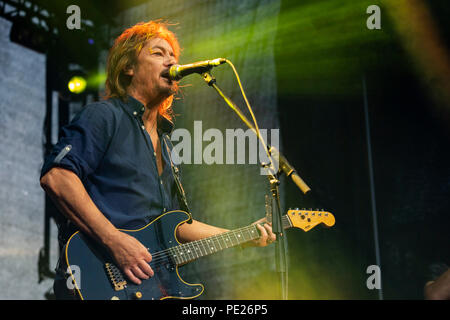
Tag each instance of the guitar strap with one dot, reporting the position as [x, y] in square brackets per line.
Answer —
[176, 176]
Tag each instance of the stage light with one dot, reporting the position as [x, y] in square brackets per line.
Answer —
[77, 84]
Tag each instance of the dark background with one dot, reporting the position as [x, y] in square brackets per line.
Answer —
[410, 155]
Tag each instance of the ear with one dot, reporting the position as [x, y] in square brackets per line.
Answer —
[129, 71]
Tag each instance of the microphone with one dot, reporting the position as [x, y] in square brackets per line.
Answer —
[288, 170]
[176, 72]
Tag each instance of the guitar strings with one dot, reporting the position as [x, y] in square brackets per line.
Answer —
[164, 255]
[158, 254]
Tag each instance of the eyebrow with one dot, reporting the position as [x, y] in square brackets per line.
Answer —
[163, 49]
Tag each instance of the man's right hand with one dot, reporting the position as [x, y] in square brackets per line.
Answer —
[131, 257]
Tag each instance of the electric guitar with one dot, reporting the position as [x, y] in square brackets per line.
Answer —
[94, 275]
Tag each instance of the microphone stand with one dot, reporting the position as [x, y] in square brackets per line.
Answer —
[277, 226]
[280, 244]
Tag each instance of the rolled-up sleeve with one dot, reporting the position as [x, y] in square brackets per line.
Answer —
[84, 141]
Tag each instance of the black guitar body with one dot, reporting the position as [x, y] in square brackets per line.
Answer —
[99, 279]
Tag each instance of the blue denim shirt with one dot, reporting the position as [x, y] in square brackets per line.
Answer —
[107, 146]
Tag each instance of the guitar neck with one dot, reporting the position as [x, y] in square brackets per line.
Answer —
[196, 249]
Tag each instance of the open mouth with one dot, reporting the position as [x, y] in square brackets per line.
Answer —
[165, 75]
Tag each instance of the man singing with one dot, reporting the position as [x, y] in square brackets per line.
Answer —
[111, 168]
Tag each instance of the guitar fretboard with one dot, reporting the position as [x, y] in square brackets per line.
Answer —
[196, 249]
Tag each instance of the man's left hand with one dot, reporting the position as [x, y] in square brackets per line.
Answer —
[267, 236]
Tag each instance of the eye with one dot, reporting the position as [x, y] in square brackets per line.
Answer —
[156, 52]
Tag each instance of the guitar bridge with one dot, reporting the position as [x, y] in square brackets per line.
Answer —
[115, 276]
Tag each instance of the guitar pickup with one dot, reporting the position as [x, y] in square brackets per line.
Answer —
[115, 276]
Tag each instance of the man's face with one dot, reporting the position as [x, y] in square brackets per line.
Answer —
[150, 75]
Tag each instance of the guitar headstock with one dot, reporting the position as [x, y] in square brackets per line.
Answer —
[308, 219]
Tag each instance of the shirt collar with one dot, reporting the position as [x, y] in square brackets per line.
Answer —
[137, 109]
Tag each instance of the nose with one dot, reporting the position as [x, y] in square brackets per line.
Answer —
[170, 61]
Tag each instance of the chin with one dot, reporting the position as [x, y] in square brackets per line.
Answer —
[170, 89]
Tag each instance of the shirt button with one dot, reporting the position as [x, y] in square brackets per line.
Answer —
[161, 181]
[154, 153]
[134, 113]
[164, 210]
[143, 127]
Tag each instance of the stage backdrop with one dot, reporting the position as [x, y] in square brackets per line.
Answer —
[22, 112]
[225, 195]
